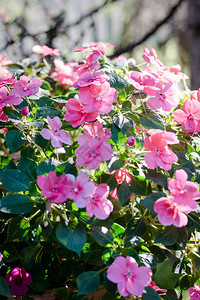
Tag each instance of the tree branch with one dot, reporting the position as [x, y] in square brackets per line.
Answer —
[132, 45]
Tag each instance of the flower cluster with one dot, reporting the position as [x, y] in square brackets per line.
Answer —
[182, 200]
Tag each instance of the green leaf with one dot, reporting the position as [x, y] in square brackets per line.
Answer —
[123, 192]
[16, 204]
[18, 228]
[149, 260]
[110, 180]
[72, 236]
[164, 276]
[167, 236]
[60, 99]
[152, 120]
[88, 282]
[14, 180]
[14, 140]
[12, 114]
[102, 235]
[123, 123]
[117, 81]
[46, 85]
[115, 133]
[134, 229]
[158, 178]
[4, 289]
[67, 168]
[9, 252]
[28, 166]
[150, 294]
[139, 187]
[46, 167]
[115, 164]
[149, 201]
[44, 101]
[45, 111]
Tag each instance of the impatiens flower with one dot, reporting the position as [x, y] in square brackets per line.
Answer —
[54, 134]
[93, 153]
[76, 115]
[2, 115]
[156, 288]
[8, 99]
[165, 98]
[45, 50]
[184, 192]
[195, 95]
[80, 188]
[24, 89]
[169, 137]
[194, 292]
[99, 206]
[130, 278]
[171, 213]
[18, 279]
[98, 98]
[94, 131]
[160, 153]
[120, 176]
[87, 78]
[90, 64]
[53, 187]
[100, 46]
[189, 117]
[143, 81]
[65, 73]
[1, 256]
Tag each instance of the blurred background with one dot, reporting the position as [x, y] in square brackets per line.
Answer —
[172, 27]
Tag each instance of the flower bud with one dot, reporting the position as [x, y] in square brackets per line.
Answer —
[25, 111]
[131, 141]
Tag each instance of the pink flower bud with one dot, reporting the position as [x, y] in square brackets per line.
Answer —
[25, 111]
[131, 141]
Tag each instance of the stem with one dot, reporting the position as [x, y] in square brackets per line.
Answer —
[5, 150]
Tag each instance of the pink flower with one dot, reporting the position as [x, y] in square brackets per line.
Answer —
[5, 81]
[65, 73]
[99, 206]
[190, 117]
[18, 279]
[8, 99]
[165, 98]
[90, 63]
[195, 95]
[194, 292]
[76, 115]
[143, 82]
[25, 111]
[87, 78]
[130, 278]
[56, 136]
[80, 189]
[93, 153]
[98, 98]
[2, 115]
[169, 137]
[1, 256]
[94, 131]
[100, 46]
[184, 192]
[53, 187]
[156, 288]
[149, 56]
[24, 89]
[120, 176]
[160, 154]
[170, 213]
[45, 50]
[131, 141]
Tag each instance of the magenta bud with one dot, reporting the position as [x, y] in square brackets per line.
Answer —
[131, 141]
[25, 111]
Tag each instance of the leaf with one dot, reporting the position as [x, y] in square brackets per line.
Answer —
[102, 235]
[67, 168]
[12, 114]
[158, 178]
[14, 140]
[72, 236]
[28, 166]
[123, 192]
[14, 180]
[46, 167]
[9, 252]
[44, 101]
[88, 282]
[152, 120]
[149, 201]
[150, 294]
[16, 204]
[167, 236]
[4, 289]
[123, 123]
[115, 164]
[116, 81]
[115, 133]
[46, 85]
[164, 276]
[110, 180]
[45, 111]
[60, 99]
[134, 229]
[138, 187]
